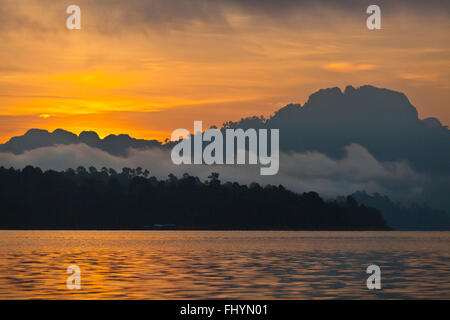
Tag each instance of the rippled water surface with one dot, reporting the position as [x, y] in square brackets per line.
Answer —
[223, 264]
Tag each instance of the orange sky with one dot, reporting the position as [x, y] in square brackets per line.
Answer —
[148, 69]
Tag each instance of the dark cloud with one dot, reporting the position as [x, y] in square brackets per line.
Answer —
[117, 15]
[274, 6]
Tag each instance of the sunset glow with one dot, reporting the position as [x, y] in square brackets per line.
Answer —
[148, 74]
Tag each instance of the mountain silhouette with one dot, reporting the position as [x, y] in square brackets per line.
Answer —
[382, 121]
[113, 144]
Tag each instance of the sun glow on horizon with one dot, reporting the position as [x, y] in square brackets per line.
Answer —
[148, 77]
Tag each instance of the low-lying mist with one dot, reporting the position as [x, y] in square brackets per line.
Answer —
[301, 172]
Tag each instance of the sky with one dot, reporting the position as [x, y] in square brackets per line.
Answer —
[146, 68]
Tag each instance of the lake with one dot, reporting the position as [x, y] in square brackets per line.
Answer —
[224, 264]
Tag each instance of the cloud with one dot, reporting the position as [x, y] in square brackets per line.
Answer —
[118, 15]
[357, 170]
[348, 67]
[428, 77]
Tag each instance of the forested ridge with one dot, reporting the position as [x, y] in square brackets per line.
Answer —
[133, 199]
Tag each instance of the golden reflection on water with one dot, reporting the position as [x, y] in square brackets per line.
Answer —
[223, 264]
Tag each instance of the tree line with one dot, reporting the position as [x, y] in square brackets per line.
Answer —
[133, 199]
